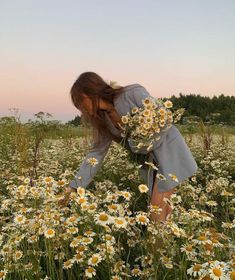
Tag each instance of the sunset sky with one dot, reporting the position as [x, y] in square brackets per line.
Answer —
[167, 46]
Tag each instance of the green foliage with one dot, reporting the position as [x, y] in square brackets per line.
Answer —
[76, 121]
[218, 109]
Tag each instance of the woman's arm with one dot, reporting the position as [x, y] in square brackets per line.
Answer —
[86, 171]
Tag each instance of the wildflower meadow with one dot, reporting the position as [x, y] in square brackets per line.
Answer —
[105, 231]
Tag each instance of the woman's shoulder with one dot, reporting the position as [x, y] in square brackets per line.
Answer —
[131, 86]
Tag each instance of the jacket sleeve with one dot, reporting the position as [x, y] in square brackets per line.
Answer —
[139, 94]
[87, 171]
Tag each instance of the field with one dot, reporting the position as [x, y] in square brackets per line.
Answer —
[105, 231]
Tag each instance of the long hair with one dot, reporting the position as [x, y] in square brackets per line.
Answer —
[94, 87]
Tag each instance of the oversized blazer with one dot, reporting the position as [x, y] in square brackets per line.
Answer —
[170, 154]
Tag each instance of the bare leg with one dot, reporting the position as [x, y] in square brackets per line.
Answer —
[157, 199]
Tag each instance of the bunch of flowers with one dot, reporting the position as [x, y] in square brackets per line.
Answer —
[142, 126]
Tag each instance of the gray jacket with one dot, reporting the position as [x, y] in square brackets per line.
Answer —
[170, 154]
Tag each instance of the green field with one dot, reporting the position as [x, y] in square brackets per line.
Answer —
[105, 231]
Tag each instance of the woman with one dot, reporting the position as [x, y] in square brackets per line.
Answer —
[103, 106]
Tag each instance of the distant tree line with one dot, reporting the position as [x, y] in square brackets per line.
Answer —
[216, 109]
[76, 121]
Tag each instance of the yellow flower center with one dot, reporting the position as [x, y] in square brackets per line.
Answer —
[103, 217]
[119, 222]
[197, 267]
[142, 219]
[90, 269]
[202, 237]
[217, 272]
[94, 259]
[50, 231]
[232, 275]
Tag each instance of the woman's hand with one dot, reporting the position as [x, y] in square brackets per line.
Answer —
[67, 192]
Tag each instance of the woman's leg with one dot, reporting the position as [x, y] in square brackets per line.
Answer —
[157, 199]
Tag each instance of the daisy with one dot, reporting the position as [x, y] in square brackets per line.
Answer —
[134, 110]
[92, 207]
[126, 195]
[74, 243]
[175, 198]
[188, 249]
[142, 219]
[226, 193]
[160, 176]
[3, 273]
[146, 101]
[124, 119]
[68, 264]
[81, 191]
[72, 230]
[211, 203]
[79, 257]
[26, 180]
[81, 200]
[92, 161]
[151, 164]
[162, 123]
[113, 207]
[202, 239]
[217, 270]
[82, 248]
[173, 177]
[196, 270]
[49, 233]
[72, 220]
[109, 238]
[120, 222]
[147, 126]
[87, 240]
[20, 219]
[109, 250]
[89, 233]
[155, 208]
[18, 254]
[48, 179]
[94, 259]
[90, 272]
[136, 271]
[162, 111]
[146, 113]
[232, 275]
[143, 188]
[103, 218]
[168, 104]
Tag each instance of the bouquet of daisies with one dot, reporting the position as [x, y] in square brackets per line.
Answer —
[142, 127]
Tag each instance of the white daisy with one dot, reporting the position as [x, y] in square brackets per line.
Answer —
[90, 272]
[49, 233]
[120, 222]
[142, 219]
[92, 161]
[94, 259]
[103, 218]
[20, 219]
[173, 177]
[168, 104]
[143, 188]
[195, 270]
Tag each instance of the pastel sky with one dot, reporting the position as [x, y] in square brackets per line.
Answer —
[168, 46]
